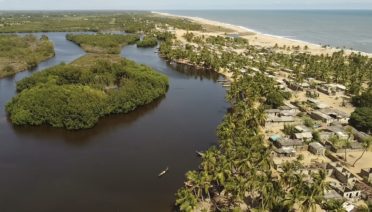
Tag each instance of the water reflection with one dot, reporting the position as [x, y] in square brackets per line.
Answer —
[82, 137]
[196, 73]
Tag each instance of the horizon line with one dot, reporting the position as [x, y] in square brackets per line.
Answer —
[202, 9]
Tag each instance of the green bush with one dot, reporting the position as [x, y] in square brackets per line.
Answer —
[361, 119]
[364, 100]
[148, 41]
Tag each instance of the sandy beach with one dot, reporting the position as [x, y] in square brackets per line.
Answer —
[260, 39]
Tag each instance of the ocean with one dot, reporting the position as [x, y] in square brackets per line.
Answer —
[351, 29]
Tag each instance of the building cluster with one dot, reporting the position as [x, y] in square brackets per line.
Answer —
[320, 138]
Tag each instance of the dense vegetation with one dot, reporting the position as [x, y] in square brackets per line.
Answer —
[102, 43]
[75, 96]
[148, 41]
[132, 22]
[361, 118]
[238, 171]
[18, 53]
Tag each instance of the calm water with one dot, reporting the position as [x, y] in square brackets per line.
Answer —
[114, 166]
[350, 29]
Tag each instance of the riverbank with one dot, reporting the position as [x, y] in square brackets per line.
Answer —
[261, 39]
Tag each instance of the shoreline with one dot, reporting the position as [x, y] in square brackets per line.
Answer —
[264, 39]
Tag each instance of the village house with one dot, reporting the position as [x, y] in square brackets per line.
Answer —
[293, 143]
[284, 152]
[337, 115]
[317, 115]
[341, 174]
[317, 104]
[290, 108]
[281, 84]
[359, 136]
[367, 174]
[353, 147]
[278, 116]
[317, 149]
[340, 89]
[297, 86]
[347, 192]
[336, 130]
[304, 136]
[326, 89]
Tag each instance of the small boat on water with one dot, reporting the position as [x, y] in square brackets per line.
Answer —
[163, 172]
[200, 154]
[226, 85]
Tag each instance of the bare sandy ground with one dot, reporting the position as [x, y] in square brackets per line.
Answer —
[365, 162]
[260, 39]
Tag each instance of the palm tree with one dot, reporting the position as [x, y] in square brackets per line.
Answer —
[186, 200]
[347, 143]
[366, 145]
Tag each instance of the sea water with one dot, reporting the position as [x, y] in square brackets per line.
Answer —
[351, 29]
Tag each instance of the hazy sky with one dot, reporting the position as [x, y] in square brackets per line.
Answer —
[181, 4]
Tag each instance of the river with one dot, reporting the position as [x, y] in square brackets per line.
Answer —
[114, 166]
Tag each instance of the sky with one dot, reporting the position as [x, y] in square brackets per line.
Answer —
[181, 4]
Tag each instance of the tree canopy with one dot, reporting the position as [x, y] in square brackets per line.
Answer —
[361, 118]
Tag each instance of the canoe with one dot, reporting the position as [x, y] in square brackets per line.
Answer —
[200, 154]
[163, 172]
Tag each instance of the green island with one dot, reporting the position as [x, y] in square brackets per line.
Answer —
[19, 53]
[76, 95]
[102, 43]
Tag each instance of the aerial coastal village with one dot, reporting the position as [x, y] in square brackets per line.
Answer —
[119, 107]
